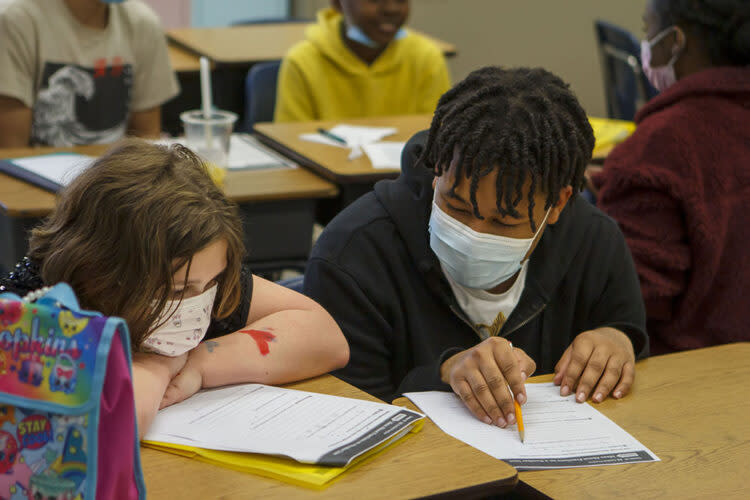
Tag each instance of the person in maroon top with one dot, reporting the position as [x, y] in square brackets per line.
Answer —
[679, 187]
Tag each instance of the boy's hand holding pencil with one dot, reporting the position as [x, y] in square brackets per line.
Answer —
[489, 378]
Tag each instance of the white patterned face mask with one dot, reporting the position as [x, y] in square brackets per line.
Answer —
[186, 326]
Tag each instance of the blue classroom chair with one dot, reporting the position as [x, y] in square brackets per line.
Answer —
[260, 82]
[260, 93]
[625, 86]
[295, 283]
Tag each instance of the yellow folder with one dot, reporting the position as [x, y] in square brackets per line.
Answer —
[285, 469]
[609, 132]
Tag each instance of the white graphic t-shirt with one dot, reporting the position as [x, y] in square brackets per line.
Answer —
[82, 83]
[488, 311]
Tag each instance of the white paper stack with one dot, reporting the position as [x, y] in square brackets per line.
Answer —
[560, 433]
[305, 426]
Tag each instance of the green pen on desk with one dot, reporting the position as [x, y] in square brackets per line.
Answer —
[332, 136]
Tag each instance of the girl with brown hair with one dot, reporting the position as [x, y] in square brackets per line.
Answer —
[144, 234]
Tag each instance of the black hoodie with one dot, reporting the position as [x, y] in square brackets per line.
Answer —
[374, 271]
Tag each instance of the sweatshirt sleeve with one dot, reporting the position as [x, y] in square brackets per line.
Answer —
[294, 100]
[426, 377]
[154, 81]
[368, 332]
[641, 197]
[620, 304]
[18, 55]
[364, 327]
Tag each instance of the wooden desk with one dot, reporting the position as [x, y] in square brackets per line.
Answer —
[251, 43]
[20, 199]
[182, 60]
[332, 162]
[427, 463]
[268, 199]
[691, 409]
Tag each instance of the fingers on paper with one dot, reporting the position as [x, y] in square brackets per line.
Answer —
[561, 366]
[602, 366]
[582, 349]
[525, 363]
[626, 380]
[466, 393]
[594, 370]
[506, 359]
[483, 378]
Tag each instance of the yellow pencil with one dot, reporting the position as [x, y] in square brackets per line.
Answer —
[519, 415]
[519, 420]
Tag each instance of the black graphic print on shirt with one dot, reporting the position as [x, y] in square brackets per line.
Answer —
[78, 105]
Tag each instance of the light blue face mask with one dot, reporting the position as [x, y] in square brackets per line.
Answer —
[356, 34]
[472, 259]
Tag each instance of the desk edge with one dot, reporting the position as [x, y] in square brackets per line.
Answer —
[215, 60]
[182, 45]
[319, 194]
[306, 162]
[482, 490]
[448, 51]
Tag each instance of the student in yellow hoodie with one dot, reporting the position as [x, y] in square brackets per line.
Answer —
[359, 61]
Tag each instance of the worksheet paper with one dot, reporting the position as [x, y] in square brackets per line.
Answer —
[245, 153]
[354, 135]
[305, 426]
[385, 154]
[560, 433]
[60, 168]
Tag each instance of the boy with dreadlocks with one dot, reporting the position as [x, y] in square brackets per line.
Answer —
[480, 263]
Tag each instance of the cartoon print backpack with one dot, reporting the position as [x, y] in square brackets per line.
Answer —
[67, 414]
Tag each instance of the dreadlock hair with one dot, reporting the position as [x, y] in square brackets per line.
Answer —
[722, 25]
[522, 121]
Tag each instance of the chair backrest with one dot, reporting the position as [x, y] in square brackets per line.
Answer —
[260, 93]
[625, 86]
[297, 283]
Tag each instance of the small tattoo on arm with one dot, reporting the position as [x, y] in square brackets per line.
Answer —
[262, 338]
[210, 345]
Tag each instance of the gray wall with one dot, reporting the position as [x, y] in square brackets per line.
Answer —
[555, 34]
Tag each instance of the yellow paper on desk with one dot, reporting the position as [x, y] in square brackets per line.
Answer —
[298, 436]
[284, 469]
[609, 132]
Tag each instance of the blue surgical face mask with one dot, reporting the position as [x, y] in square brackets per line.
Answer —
[472, 259]
[356, 34]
